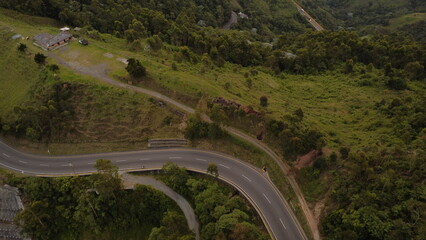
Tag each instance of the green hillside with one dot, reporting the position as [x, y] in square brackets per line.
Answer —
[358, 102]
[360, 14]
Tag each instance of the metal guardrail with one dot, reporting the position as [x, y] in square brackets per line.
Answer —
[167, 143]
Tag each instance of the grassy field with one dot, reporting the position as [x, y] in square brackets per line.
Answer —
[406, 20]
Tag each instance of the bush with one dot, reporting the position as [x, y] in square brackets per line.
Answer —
[396, 83]
[197, 129]
[40, 58]
[263, 101]
[22, 47]
[135, 68]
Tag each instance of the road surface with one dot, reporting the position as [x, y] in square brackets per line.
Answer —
[308, 17]
[130, 181]
[249, 180]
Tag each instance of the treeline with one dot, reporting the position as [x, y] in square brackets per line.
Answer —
[222, 213]
[95, 207]
[110, 16]
[311, 52]
[47, 118]
[375, 195]
[343, 13]
[320, 51]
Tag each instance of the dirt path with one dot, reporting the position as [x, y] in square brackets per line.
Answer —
[130, 181]
[100, 72]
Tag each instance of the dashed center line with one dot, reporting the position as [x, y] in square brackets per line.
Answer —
[267, 198]
[175, 157]
[143, 159]
[199, 159]
[224, 166]
[91, 163]
[22, 162]
[4, 154]
[246, 178]
[282, 223]
[66, 165]
[121, 160]
[44, 165]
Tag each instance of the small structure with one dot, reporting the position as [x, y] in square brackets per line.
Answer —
[83, 42]
[64, 29]
[243, 15]
[10, 205]
[49, 42]
[16, 36]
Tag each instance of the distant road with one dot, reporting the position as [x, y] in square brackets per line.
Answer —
[308, 17]
[249, 180]
[232, 20]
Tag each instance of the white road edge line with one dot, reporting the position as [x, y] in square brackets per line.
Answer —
[22, 162]
[142, 159]
[4, 154]
[246, 177]
[91, 163]
[175, 157]
[66, 165]
[199, 159]
[44, 165]
[224, 166]
[282, 223]
[267, 198]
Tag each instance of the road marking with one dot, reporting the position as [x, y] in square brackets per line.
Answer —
[22, 162]
[66, 165]
[246, 178]
[4, 154]
[224, 166]
[142, 159]
[175, 157]
[44, 165]
[121, 160]
[91, 163]
[282, 223]
[199, 159]
[267, 198]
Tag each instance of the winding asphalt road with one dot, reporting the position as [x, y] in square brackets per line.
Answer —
[248, 179]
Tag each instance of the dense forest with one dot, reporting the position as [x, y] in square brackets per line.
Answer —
[96, 207]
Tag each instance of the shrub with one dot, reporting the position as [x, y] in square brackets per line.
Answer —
[40, 58]
[263, 101]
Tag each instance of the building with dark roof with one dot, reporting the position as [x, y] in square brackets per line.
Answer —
[49, 42]
[10, 205]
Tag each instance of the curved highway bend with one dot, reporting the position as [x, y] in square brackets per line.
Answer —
[248, 179]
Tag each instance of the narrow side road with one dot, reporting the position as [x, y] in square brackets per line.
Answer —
[130, 181]
[308, 17]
